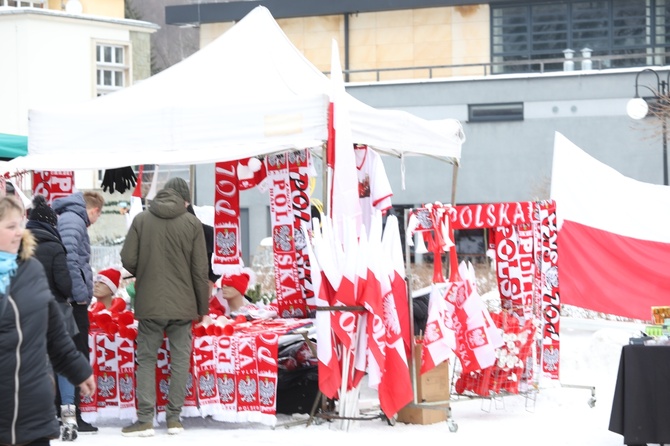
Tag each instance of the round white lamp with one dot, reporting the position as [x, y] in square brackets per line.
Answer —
[637, 108]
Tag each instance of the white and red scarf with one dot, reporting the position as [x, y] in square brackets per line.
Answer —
[290, 301]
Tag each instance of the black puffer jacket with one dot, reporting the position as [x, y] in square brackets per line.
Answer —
[51, 253]
[31, 327]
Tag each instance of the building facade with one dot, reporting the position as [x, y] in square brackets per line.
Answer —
[513, 72]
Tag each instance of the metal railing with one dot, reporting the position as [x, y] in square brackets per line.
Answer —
[494, 68]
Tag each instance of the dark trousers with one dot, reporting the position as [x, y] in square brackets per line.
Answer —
[39, 442]
[80, 313]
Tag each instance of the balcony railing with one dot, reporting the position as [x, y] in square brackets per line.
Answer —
[494, 68]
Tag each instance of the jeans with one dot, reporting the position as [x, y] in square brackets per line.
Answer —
[150, 333]
[66, 390]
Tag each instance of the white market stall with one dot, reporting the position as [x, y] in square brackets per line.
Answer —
[248, 93]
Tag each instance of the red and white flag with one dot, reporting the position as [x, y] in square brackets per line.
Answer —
[329, 367]
[439, 339]
[395, 389]
[393, 252]
[613, 237]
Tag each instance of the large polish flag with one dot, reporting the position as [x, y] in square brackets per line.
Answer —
[613, 236]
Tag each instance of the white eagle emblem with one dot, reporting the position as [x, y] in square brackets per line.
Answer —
[106, 384]
[278, 159]
[126, 388]
[226, 242]
[551, 356]
[189, 385]
[226, 389]
[282, 238]
[164, 386]
[423, 215]
[207, 385]
[247, 389]
[297, 157]
[292, 312]
[266, 391]
[551, 277]
[299, 240]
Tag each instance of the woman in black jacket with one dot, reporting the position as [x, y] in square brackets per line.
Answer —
[31, 329]
[50, 251]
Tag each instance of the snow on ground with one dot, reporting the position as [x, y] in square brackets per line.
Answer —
[560, 414]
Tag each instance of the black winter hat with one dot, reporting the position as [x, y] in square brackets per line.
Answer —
[179, 185]
[41, 211]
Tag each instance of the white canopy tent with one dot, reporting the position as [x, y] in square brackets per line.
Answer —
[248, 93]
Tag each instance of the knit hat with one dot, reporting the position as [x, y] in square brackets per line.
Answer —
[41, 211]
[179, 185]
[238, 281]
[110, 277]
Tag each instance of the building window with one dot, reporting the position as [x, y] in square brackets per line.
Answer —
[532, 31]
[111, 68]
[23, 4]
[512, 111]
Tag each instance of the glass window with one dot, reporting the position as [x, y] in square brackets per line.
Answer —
[534, 31]
[111, 73]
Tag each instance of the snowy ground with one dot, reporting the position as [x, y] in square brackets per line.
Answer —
[560, 415]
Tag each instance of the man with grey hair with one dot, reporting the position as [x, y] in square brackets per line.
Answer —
[165, 251]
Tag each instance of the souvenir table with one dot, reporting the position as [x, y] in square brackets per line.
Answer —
[640, 407]
[233, 377]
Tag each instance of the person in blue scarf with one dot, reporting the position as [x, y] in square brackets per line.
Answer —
[31, 331]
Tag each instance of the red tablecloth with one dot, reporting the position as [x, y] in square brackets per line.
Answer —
[232, 378]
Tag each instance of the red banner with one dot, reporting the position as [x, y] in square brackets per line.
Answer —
[53, 184]
[490, 215]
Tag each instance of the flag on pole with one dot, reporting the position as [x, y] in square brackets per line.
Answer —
[613, 238]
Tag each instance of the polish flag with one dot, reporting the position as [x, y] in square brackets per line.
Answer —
[395, 389]
[330, 377]
[613, 236]
[439, 339]
[373, 301]
[393, 252]
[360, 355]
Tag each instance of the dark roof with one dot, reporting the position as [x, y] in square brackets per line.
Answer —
[196, 14]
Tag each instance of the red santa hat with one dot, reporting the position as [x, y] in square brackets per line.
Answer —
[110, 277]
[240, 281]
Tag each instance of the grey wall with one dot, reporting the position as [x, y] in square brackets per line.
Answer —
[502, 161]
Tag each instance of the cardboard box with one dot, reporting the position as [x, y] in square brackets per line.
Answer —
[417, 415]
[434, 384]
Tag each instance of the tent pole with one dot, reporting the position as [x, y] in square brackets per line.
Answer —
[453, 184]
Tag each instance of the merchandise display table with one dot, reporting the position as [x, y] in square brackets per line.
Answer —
[640, 408]
[233, 378]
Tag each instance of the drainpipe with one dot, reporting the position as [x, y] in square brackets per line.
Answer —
[346, 47]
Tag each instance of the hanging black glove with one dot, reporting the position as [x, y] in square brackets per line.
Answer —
[120, 179]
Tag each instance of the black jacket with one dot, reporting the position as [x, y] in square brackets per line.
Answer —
[51, 253]
[31, 328]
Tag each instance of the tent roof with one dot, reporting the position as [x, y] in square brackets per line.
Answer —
[12, 146]
[249, 92]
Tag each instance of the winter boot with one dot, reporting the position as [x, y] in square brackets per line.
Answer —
[68, 419]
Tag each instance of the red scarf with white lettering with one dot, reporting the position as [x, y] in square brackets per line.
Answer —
[290, 301]
[226, 379]
[204, 362]
[227, 250]
[107, 376]
[515, 267]
[126, 361]
[267, 352]
[190, 407]
[246, 369]
[162, 377]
